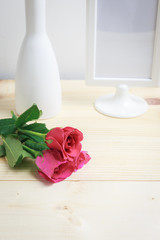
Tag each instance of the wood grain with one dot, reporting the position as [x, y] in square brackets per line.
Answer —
[80, 211]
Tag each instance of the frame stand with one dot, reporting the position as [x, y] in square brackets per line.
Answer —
[121, 104]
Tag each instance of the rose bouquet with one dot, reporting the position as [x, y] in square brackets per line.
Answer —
[57, 152]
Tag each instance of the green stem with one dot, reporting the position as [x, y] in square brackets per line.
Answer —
[33, 152]
[43, 135]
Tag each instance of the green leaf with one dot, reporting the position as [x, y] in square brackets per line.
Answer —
[37, 127]
[14, 150]
[33, 113]
[26, 154]
[22, 137]
[14, 117]
[40, 113]
[19, 160]
[2, 151]
[7, 126]
[36, 146]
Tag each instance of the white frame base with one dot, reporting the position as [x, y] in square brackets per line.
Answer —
[121, 104]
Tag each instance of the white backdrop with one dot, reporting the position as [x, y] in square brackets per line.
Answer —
[66, 29]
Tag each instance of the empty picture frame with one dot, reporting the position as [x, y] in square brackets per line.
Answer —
[123, 42]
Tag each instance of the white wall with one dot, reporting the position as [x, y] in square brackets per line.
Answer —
[66, 29]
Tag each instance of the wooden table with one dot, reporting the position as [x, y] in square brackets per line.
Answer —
[116, 196]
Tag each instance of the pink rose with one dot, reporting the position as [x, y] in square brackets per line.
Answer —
[52, 167]
[66, 140]
[64, 156]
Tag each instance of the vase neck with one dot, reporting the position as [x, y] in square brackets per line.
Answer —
[35, 16]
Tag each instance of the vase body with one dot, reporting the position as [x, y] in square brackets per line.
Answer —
[37, 74]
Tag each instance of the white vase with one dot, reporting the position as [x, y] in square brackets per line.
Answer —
[37, 75]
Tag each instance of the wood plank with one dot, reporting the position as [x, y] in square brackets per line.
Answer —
[80, 210]
[121, 149]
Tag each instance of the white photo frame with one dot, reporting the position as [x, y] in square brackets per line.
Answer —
[91, 76]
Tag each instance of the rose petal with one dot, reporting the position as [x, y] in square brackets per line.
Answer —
[65, 170]
[76, 136]
[73, 131]
[57, 133]
[48, 162]
[52, 167]
[45, 176]
[83, 158]
[74, 152]
[54, 145]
